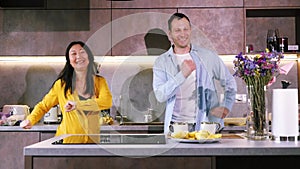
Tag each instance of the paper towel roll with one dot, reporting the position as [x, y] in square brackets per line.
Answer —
[285, 112]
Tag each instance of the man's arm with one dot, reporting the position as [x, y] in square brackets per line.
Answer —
[165, 84]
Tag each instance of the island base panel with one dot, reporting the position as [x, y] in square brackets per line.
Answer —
[118, 162]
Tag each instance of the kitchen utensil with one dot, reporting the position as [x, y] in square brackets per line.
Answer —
[148, 116]
[52, 116]
[16, 110]
[283, 44]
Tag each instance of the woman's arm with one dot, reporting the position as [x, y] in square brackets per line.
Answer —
[102, 100]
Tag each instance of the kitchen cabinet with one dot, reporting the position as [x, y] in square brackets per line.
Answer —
[130, 26]
[46, 135]
[229, 162]
[219, 29]
[11, 148]
[121, 162]
[259, 20]
[222, 21]
[57, 27]
[271, 3]
[14, 140]
[176, 4]
[210, 28]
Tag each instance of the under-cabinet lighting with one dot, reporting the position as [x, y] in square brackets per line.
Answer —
[60, 59]
[112, 59]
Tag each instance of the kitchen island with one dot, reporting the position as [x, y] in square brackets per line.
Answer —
[15, 138]
[225, 153]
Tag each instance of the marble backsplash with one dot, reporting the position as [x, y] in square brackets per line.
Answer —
[130, 83]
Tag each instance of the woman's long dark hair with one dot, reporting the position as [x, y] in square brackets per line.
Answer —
[67, 75]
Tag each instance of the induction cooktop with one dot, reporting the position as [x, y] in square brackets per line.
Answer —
[113, 139]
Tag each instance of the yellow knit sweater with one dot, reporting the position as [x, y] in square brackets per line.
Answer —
[76, 121]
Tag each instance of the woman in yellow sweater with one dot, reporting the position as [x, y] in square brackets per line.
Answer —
[80, 93]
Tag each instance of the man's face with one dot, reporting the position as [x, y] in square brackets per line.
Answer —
[180, 33]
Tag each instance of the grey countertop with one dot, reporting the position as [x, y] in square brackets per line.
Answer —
[53, 127]
[225, 147]
[37, 128]
[115, 127]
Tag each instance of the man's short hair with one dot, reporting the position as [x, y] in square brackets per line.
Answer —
[177, 16]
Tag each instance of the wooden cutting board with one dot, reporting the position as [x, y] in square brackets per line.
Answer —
[232, 136]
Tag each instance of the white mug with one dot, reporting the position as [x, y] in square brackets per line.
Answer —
[178, 127]
[211, 127]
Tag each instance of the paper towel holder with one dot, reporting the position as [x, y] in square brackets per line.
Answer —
[286, 118]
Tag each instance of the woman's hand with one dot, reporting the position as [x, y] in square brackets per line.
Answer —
[70, 106]
[26, 124]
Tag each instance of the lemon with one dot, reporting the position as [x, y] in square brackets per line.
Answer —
[179, 134]
[202, 134]
[192, 134]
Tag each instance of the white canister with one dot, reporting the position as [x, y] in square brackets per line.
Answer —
[148, 116]
[52, 116]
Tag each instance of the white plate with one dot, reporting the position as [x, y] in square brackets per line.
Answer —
[196, 141]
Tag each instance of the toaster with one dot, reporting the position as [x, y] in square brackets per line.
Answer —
[16, 110]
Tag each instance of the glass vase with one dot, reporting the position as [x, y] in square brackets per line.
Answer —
[257, 118]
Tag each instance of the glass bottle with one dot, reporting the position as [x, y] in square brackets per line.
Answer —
[276, 40]
[270, 40]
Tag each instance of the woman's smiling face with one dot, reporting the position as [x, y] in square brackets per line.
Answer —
[78, 57]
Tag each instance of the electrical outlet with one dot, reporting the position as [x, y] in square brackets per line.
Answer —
[240, 98]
